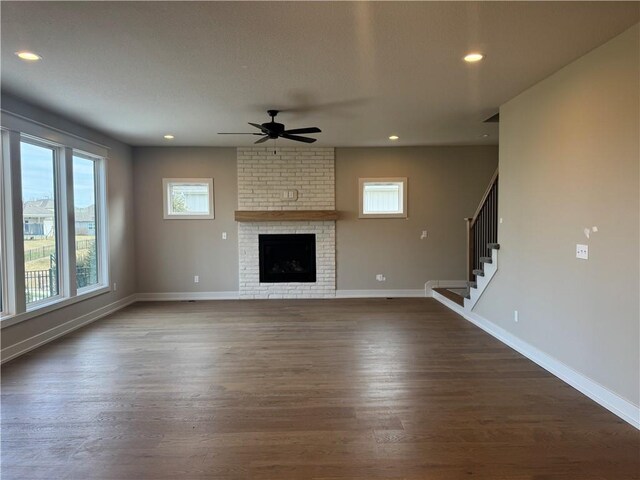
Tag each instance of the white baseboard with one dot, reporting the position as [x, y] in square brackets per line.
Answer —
[616, 404]
[379, 293]
[185, 296]
[47, 336]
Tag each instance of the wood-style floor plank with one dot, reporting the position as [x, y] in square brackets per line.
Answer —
[369, 389]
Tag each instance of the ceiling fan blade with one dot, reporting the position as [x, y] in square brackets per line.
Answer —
[237, 133]
[298, 138]
[304, 130]
[257, 125]
[262, 140]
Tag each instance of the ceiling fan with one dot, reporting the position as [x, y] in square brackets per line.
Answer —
[275, 130]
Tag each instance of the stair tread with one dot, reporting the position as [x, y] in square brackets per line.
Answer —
[472, 284]
[459, 299]
[478, 272]
[493, 246]
[486, 260]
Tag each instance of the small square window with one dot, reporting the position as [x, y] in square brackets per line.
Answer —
[188, 198]
[383, 197]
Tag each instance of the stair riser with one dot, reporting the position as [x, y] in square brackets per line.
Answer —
[489, 270]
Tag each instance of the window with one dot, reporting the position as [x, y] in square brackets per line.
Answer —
[188, 198]
[3, 252]
[53, 247]
[40, 221]
[383, 197]
[86, 226]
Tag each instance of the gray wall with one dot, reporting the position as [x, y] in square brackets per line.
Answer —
[569, 159]
[121, 232]
[171, 252]
[445, 185]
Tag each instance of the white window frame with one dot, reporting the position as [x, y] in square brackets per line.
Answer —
[402, 181]
[167, 183]
[5, 303]
[59, 185]
[102, 250]
[14, 129]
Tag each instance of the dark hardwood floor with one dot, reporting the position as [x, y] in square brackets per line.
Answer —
[275, 390]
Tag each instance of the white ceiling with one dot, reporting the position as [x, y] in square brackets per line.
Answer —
[360, 71]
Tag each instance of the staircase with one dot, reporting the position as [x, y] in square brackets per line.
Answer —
[482, 244]
[482, 276]
[482, 254]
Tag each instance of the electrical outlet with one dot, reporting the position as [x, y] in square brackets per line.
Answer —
[224, 235]
[424, 235]
[290, 194]
[582, 252]
[196, 279]
[515, 316]
[380, 277]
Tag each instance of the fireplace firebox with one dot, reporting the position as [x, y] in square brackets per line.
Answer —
[287, 258]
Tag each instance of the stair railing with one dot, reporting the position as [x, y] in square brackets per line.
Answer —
[482, 228]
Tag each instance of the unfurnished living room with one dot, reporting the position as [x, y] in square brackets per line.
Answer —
[320, 240]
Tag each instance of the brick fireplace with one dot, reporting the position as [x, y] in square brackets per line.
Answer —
[292, 179]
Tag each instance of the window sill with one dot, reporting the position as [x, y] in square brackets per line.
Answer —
[382, 215]
[57, 304]
[189, 217]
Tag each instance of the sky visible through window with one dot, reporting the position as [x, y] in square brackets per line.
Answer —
[83, 184]
[37, 167]
[40, 185]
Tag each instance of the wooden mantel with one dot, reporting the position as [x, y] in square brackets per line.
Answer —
[285, 215]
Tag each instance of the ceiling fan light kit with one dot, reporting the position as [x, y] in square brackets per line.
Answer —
[273, 130]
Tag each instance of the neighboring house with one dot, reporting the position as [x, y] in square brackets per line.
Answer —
[190, 198]
[86, 220]
[39, 218]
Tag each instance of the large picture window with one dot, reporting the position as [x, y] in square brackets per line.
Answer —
[53, 214]
[86, 225]
[39, 220]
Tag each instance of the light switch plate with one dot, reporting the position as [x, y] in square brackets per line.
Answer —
[582, 251]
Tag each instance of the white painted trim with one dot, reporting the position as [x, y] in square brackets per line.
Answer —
[379, 293]
[621, 407]
[51, 305]
[167, 183]
[47, 336]
[16, 122]
[183, 296]
[403, 194]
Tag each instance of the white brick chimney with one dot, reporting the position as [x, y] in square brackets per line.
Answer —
[264, 180]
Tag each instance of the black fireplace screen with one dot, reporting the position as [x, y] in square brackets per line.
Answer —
[287, 258]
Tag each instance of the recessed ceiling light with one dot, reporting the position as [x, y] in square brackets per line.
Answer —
[473, 57]
[394, 137]
[169, 137]
[29, 56]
